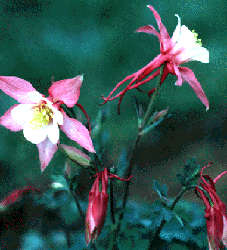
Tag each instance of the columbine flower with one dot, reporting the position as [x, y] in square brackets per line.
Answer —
[39, 117]
[181, 48]
[215, 212]
[97, 207]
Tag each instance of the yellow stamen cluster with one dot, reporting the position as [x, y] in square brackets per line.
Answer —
[42, 115]
[197, 41]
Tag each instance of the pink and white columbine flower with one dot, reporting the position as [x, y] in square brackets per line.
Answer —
[181, 48]
[39, 117]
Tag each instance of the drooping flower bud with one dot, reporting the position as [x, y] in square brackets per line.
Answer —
[215, 212]
[97, 207]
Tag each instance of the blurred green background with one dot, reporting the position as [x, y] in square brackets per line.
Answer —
[62, 39]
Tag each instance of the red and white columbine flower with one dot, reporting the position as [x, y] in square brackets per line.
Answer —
[181, 48]
[97, 207]
[39, 117]
[215, 212]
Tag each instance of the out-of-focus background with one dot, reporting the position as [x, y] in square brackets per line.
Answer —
[62, 39]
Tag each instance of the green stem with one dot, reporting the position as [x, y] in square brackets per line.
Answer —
[112, 202]
[116, 229]
[131, 163]
[93, 246]
[156, 235]
[153, 97]
[82, 215]
[134, 154]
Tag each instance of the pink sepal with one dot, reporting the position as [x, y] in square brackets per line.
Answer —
[163, 31]
[188, 76]
[46, 151]
[67, 91]
[17, 88]
[76, 131]
[149, 29]
[8, 122]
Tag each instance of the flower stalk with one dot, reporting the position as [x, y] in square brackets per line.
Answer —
[132, 161]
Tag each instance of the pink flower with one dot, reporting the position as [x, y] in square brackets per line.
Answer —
[39, 117]
[97, 207]
[215, 212]
[181, 48]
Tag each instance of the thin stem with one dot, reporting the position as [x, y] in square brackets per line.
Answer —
[156, 235]
[93, 246]
[132, 162]
[82, 215]
[116, 228]
[68, 237]
[112, 202]
[134, 154]
[153, 96]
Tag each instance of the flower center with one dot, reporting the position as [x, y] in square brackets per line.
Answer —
[42, 115]
[197, 41]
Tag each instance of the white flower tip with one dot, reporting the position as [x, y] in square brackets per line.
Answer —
[179, 19]
[207, 108]
[56, 185]
[79, 77]
[82, 77]
[178, 84]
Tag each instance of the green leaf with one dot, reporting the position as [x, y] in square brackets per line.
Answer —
[139, 111]
[181, 179]
[160, 189]
[159, 213]
[76, 155]
[140, 107]
[191, 171]
[179, 219]
[190, 167]
[122, 163]
[97, 124]
[158, 117]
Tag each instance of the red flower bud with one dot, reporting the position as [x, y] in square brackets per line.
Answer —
[215, 213]
[97, 207]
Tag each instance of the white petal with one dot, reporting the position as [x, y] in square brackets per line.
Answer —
[35, 96]
[197, 53]
[35, 135]
[53, 133]
[177, 31]
[22, 113]
[186, 39]
[57, 117]
[200, 54]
